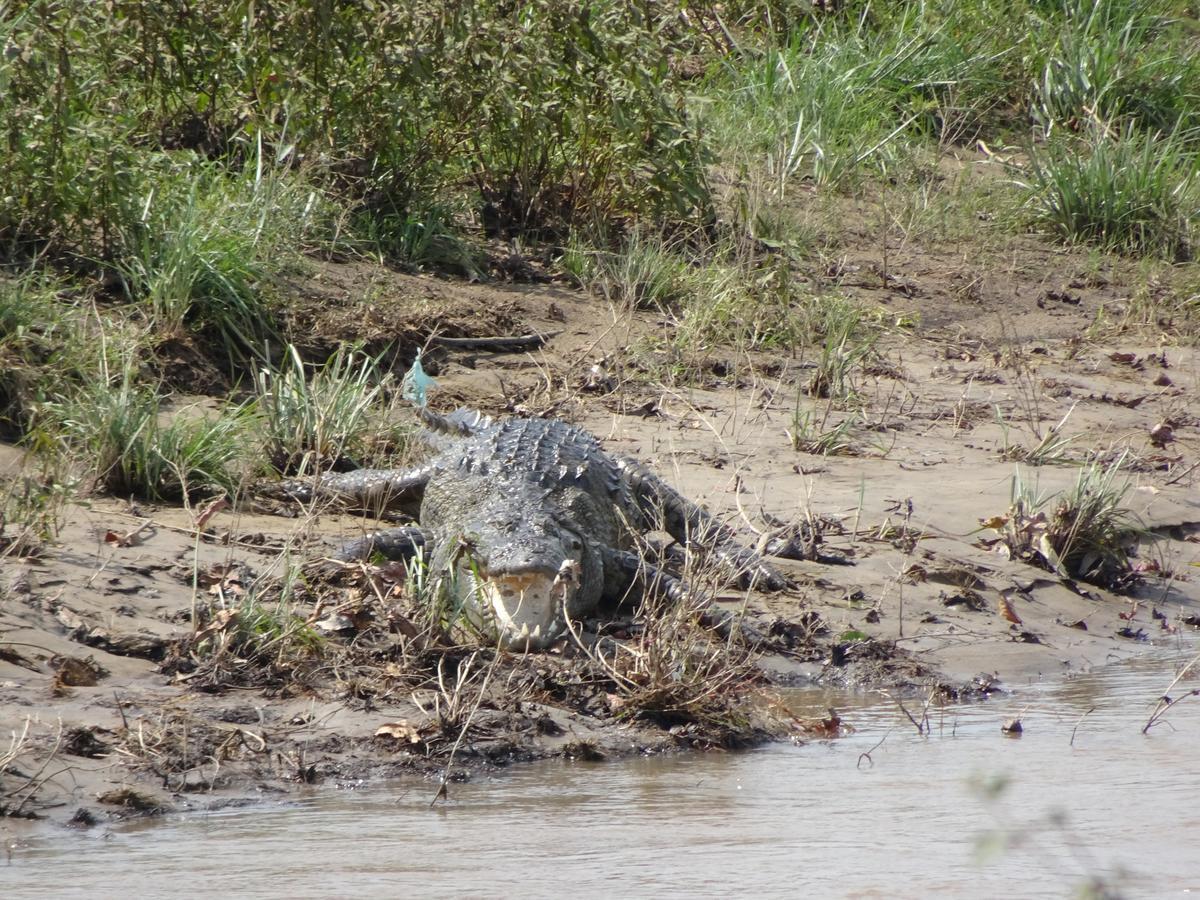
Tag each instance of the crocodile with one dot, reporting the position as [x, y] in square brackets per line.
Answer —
[531, 523]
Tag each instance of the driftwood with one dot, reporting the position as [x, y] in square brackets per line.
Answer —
[507, 344]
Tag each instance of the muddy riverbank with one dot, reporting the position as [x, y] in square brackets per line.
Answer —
[118, 705]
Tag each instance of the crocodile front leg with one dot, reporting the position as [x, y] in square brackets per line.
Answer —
[392, 543]
[626, 571]
[688, 523]
[375, 490]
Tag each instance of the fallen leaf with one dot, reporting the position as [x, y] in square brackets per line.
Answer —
[207, 512]
[966, 598]
[1128, 632]
[219, 623]
[75, 672]
[1008, 612]
[401, 731]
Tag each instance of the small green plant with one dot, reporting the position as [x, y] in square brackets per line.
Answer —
[1131, 192]
[1051, 448]
[741, 301]
[423, 239]
[717, 292]
[31, 513]
[810, 434]
[440, 608]
[1083, 533]
[256, 640]
[845, 341]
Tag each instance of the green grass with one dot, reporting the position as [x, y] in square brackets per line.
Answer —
[51, 341]
[332, 415]
[646, 271]
[1131, 192]
[205, 243]
[32, 510]
[121, 433]
[1115, 61]
[847, 96]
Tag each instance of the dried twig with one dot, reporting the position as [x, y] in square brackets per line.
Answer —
[1165, 702]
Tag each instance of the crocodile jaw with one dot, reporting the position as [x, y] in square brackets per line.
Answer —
[526, 608]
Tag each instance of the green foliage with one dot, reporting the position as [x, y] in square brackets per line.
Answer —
[422, 238]
[1114, 61]
[551, 111]
[715, 291]
[120, 431]
[1130, 192]
[333, 416]
[812, 433]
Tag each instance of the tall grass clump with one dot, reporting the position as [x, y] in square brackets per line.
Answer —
[1086, 532]
[333, 416]
[206, 242]
[843, 96]
[1114, 61]
[1130, 192]
[120, 432]
[645, 270]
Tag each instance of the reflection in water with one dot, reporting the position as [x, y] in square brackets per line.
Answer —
[817, 820]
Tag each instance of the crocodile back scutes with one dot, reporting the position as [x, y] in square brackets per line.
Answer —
[543, 451]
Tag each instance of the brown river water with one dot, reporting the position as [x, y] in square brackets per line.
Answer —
[962, 811]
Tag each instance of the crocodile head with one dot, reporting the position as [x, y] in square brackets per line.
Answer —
[520, 574]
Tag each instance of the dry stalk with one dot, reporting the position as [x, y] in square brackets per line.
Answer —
[463, 722]
[1166, 701]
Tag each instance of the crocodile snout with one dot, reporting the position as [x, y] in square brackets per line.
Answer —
[527, 607]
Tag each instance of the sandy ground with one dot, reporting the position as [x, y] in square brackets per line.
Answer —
[107, 721]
